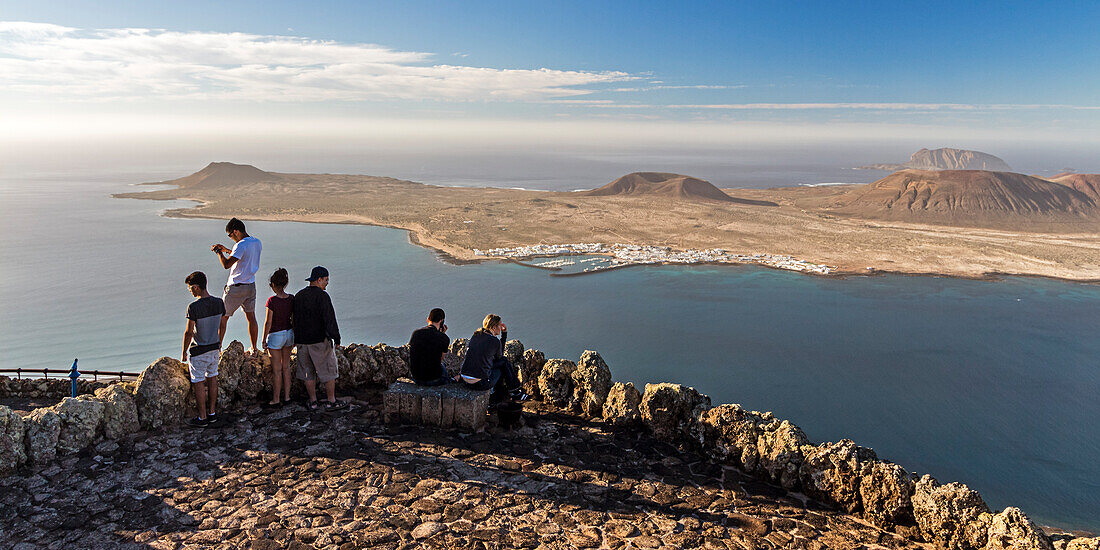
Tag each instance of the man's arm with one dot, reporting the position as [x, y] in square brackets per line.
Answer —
[221, 250]
[187, 335]
[331, 328]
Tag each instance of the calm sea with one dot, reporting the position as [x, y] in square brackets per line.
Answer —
[991, 383]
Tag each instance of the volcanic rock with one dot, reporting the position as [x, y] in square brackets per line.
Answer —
[729, 433]
[780, 451]
[81, 418]
[661, 184]
[1012, 530]
[621, 405]
[163, 395]
[671, 409]
[530, 369]
[591, 382]
[43, 428]
[831, 473]
[952, 516]
[886, 491]
[119, 411]
[13, 451]
[556, 382]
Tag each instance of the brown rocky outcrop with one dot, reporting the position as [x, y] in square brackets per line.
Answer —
[119, 411]
[1077, 543]
[729, 433]
[513, 351]
[831, 473]
[671, 409]
[556, 382]
[621, 405]
[43, 428]
[13, 451]
[780, 450]
[951, 516]
[230, 365]
[530, 369]
[591, 383]
[163, 395]
[1012, 530]
[80, 422]
[886, 491]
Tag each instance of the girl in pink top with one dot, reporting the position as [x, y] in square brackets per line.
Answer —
[279, 336]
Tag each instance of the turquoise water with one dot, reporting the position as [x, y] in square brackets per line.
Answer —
[991, 383]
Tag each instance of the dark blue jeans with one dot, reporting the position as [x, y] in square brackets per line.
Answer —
[502, 379]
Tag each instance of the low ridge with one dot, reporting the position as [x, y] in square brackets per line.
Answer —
[973, 196]
[218, 174]
[661, 184]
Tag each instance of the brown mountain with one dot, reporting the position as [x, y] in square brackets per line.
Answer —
[1089, 184]
[947, 158]
[222, 174]
[967, 197]
[662, 185]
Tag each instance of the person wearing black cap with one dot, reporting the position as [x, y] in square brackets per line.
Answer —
[317, 335]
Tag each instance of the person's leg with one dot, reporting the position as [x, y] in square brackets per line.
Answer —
[212, 392]
[306, 372]
[509, 375]
[253, 330]
[200, 397]
[221, 329]
[276, 356]
[311, 390]
[330, 391]
[286, 373]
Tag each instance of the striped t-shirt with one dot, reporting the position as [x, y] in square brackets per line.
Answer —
[207, 314]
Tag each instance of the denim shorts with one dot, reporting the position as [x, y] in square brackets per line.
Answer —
[281, 339]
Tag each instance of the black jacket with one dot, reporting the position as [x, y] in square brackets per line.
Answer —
[426, 347]
[314, 318]
[482, 350]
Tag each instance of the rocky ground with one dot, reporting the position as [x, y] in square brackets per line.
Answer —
[289, 479]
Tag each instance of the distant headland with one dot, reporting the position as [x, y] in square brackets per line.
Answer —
[953, 222]
[946, 158]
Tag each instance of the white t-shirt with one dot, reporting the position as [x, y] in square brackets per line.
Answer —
[247, 253]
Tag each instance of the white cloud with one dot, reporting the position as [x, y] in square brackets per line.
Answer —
[44, 60]
[881, 106]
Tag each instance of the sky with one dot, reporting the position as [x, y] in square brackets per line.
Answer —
[586, 72]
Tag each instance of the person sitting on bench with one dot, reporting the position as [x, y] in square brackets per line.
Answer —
[486, 367]
[426, 348]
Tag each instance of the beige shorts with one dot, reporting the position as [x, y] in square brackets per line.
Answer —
[204, 366]
[317, 361]
[239, 296]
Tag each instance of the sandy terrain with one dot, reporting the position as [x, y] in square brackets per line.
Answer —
[773, 221]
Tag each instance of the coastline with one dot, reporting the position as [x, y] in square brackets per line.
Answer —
[454, 257]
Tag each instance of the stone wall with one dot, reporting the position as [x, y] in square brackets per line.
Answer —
[38, 388]
[841, 474]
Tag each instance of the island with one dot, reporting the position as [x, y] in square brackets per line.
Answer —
[962, 223]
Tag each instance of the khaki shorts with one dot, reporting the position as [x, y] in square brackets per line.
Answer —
[239, 296]
[204, 366]
[317, 361]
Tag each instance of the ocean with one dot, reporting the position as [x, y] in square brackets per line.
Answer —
[991, 383]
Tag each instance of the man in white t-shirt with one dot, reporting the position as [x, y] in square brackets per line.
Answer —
[240, 292]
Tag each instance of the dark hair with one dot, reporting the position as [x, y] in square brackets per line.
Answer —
[280, 278]
[197, 278]
[234, 224]
[436, 315]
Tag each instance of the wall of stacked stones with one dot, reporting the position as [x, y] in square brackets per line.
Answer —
[842, 474]
[52, 388]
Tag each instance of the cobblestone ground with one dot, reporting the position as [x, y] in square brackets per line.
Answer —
[289, 479]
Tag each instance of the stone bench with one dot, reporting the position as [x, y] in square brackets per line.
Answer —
[450, 405]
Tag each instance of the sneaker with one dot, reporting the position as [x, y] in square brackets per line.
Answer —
[198, 422]
[519, 396]
[335, 406]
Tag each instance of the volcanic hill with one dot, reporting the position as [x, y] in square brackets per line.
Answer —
[964, 197]
[1089, 184]
[946, 158]
[663, 185]
[222, 174]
